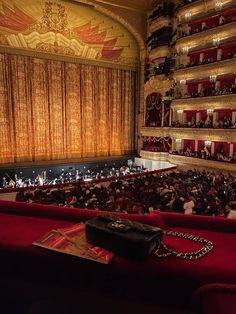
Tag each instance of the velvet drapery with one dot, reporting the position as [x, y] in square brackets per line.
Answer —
[52, 110]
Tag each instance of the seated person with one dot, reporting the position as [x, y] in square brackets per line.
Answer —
[188, 151]
[205, 153]
[208, 122]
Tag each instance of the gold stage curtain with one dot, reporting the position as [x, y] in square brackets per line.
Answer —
[53, 110]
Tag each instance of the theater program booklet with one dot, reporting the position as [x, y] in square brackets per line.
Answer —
[72, 241]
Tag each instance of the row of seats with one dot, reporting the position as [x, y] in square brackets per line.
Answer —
[32, 275]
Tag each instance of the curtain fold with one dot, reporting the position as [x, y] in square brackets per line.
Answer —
[53, 110]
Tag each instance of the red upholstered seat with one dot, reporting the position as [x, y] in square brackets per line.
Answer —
[169, 277]
[66, 213]
[215, 298]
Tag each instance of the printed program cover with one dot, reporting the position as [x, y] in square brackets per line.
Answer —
[72, 241]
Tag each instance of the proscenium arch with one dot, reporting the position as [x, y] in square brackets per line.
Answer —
[140, 107]
[122, 21]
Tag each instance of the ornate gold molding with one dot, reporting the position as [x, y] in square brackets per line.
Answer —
[225, 135]
[153, 156]
[195, 8]
[188, 161]
[203, 163]
[61, 57]
[156, 132]
[157, 84]
[159, 23]
[203, 103]
[204, 39]
[118, 18]
[200, 8]
[159, 52]
[206, 70]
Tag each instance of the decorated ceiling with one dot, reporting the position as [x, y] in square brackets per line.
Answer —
[70, 29]
[134, 5]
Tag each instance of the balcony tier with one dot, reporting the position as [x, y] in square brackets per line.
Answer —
[159, 23]
[189, 161]
[201, 8]
[159, 52]
[224, 67]
[216, 135]
[204, 39]
[204, 103]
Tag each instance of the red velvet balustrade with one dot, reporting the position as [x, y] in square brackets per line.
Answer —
[157, 144]
[153, 110]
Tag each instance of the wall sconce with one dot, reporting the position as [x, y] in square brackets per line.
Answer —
[210, 111]
[188, 16]
[182, 82]
[178, 140]
[216, 41]
[207, 143]
[218, 5]
[185, 49]
[213, 78]
[180, 111]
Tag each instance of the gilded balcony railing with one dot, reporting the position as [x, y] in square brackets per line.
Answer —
[206, 70]
[204, 103]
[217, 135]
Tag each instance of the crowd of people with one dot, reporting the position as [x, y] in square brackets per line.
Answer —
[189, 192]
[205, 153]
[224, 123]
[231, 54]
[204, 27]
[210, 91]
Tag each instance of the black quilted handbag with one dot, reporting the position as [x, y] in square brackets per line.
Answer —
[136, 240]
[123, 236]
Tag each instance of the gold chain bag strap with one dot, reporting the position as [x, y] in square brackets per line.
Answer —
[208, 246]
[99, 229]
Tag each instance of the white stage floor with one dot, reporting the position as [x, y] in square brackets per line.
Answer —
[153, 164]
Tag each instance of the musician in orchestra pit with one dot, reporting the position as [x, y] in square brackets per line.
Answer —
[5, 184]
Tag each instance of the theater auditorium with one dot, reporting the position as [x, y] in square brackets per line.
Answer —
[118, 156]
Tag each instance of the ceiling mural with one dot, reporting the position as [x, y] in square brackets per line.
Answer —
[63, 28]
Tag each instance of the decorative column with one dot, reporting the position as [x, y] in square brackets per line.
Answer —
[180, 114]
[198, 116]
[219, 54]
[141, 108]
[178, 144]
[215, 117]
[201, 57]
[170, 119]
[199, 87]
[233, 116]
[162, 114]
[231, 150]
[212, 148]
[196, 146]
[184, 117]
[217, 85]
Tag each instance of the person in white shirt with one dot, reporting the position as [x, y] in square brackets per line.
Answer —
[188, 206]
[230, 213]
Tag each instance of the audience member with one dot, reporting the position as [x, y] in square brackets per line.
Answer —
[189, 192]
